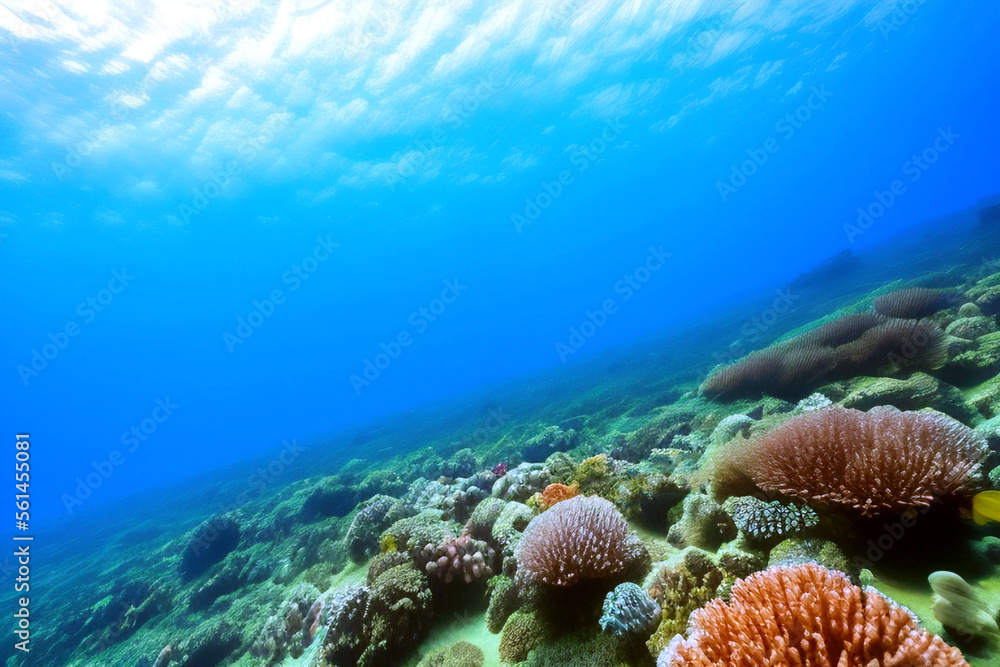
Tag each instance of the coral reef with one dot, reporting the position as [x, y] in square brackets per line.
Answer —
[378, 623]
[628, 610]
[292, 628]
[522, 633]
[209, 544]
[454, 498]
[580, 539]
[852, 345]
[413, 533]
[915, 302]
[459, 654]
[507, 532]
[800, 550]
[806, 615]
[462, 559]
[522, 482]
[679, 586]
[703, 523]
[555, 493]
[373, 517]
[877, 462]
[764, 522]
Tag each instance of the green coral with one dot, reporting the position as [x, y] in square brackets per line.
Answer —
[459, 654]
[505, 599]
[797, 550]
[681, 585]
[600, 648]
[401, 612]
[595, 477]
[413, 533]
[522, 633]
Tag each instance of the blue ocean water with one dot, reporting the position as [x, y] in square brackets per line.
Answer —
[225, 228]
[364, 162]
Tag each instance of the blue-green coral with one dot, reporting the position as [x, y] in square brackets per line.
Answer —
[628, 610]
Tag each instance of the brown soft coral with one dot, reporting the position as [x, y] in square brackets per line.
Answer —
[878, 462]
[806, 615]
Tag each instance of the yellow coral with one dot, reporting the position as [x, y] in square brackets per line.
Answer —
[594, 477]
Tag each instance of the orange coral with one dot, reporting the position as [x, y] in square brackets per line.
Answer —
[877, 462]
[555, 493]
[806, 615]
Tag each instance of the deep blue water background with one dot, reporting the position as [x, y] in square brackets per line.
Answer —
[655, 184]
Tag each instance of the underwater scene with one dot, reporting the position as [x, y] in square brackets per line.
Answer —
[446, 333]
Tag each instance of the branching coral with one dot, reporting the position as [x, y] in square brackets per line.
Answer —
[806, 615]
[579, 539]
[877, 462]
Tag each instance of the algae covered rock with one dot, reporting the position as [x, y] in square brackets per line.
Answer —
[459, 654]
[798, 551]
[971, 328]
[522, 633]
[329, 499]
[730, 427]
[703, 523]
[209, 544]
[413, 533]
[680, 585]
[505, 599]
[976, 364]
[913, 393]
[373, 517]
